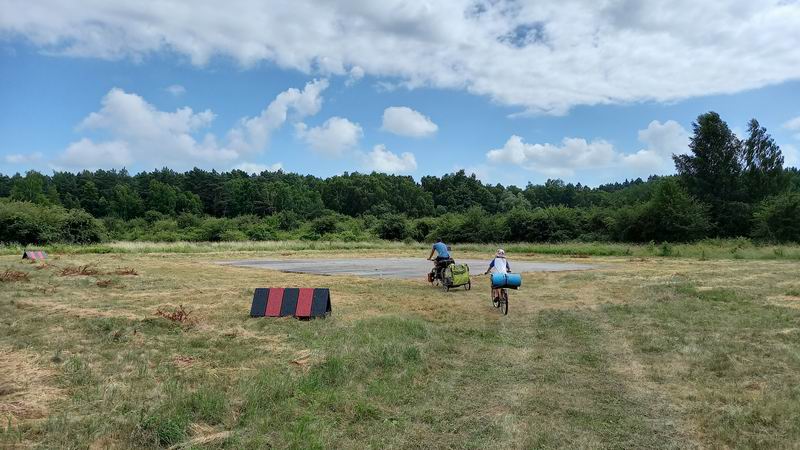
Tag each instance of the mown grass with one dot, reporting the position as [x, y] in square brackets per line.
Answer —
[655, 353]
[703, 250]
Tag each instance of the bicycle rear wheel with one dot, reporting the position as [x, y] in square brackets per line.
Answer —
[504, 302]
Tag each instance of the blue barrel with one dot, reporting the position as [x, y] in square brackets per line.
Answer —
[506, 280]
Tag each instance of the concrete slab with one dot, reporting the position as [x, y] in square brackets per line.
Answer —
[403, 268]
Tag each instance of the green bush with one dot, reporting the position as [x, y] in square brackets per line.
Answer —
[777, 219]
[262, 232]
[325, 225]
[27, 223]
[393, 227]
[670, 215]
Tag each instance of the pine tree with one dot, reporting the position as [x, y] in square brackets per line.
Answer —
[763, 164]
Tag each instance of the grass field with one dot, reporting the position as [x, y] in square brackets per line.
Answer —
[643, 352]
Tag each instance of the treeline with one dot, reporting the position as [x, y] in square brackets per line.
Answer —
[724, 187]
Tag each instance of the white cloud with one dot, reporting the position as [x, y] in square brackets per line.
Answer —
[255, 168]
[252, 134]
[86, 154]
[176, 90]
[356, 73]
[142, 134]
[19, 158]
[576, 154]
[407, 122]
[793, 125]
[380, 159]
[543, 56]
[791, 156]
[333, 137]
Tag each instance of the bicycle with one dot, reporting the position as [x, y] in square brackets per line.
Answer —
[501, 301]
[436, 275]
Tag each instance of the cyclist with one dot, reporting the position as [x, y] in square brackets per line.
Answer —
[442, 258]
[441, 251]
[498, 265]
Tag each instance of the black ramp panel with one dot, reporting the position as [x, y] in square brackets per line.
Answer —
[321, 303]
[289, 305]
[259, 302]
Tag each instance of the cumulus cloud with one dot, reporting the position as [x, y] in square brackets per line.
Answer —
[405, 121]
[333, 137]
[793, 125]
[543, 56]
[256, 168]
[139, 133]
[20, 158]
[87, 154]
[176, 90]
[661, 140]
[791, 156]
[381, 159]
[252, 134]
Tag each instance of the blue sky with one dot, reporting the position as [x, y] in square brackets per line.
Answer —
[396, 89]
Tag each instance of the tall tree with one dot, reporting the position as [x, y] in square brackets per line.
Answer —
[712, 173]
[126, 203]
[30, 188]
[763, 164]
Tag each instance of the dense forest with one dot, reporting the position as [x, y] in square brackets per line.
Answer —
[723, 187]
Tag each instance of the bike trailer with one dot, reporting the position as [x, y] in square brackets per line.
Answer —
[506, 280]
[457, 274]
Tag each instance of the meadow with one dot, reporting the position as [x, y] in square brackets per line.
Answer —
[679, 346]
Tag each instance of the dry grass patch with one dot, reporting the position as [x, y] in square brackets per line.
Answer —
[25, 389]
[73, 271]
[123, 271]
[179, 314]
[9, 276]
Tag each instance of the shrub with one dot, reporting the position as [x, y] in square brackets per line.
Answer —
[28, 223]
[262, 232]
[325, 224]
[777, 219]
[393, 227]
[232, 235]
[288, 220]
[670, 215]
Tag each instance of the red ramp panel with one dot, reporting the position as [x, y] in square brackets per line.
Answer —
[274, 301]
[304, 303]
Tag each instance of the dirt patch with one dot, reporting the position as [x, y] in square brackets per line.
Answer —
[25, 389]
[184, 361]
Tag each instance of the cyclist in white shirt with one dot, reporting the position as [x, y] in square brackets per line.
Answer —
[498, 265]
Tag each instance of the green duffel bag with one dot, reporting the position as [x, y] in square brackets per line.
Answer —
[459, 273]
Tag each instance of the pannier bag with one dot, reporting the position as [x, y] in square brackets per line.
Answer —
[458, 273]
[506, 280]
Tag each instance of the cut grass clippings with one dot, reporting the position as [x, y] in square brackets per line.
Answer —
[10, 276]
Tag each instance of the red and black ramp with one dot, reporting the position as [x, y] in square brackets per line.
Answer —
[297, 302]
[34, 255]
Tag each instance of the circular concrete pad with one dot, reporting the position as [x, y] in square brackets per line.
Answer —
[407, 268]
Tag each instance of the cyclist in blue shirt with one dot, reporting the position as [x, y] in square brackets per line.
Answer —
[441, 251]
